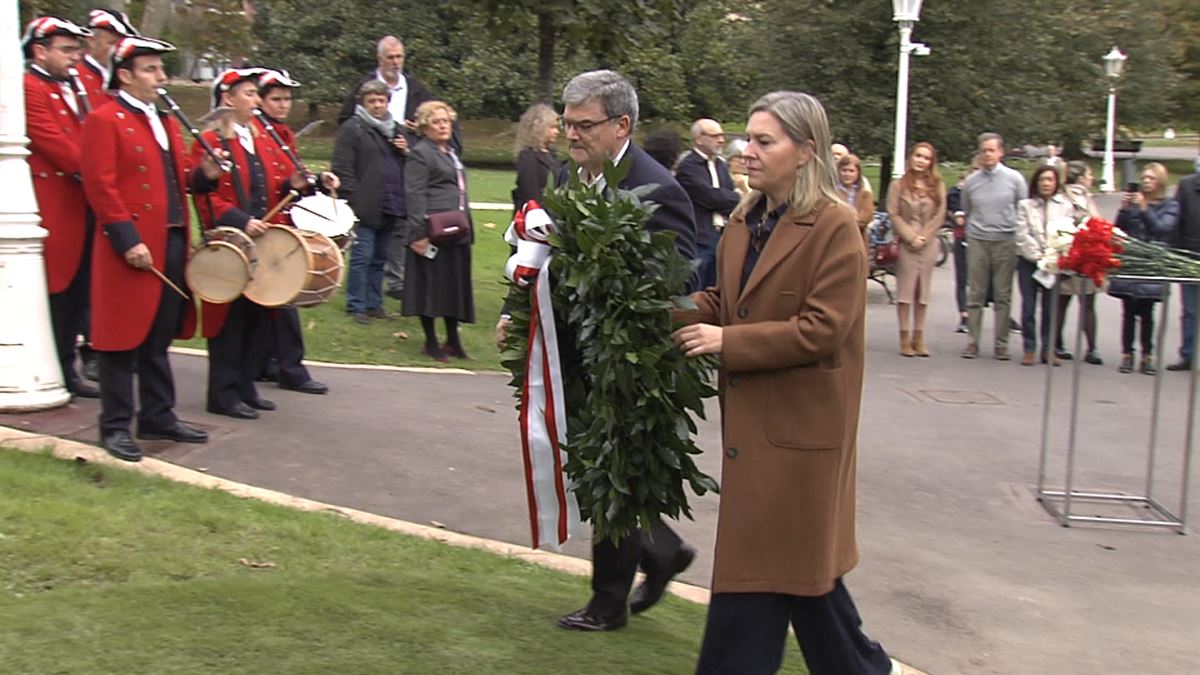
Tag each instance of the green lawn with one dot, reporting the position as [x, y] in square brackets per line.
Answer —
[108, 571]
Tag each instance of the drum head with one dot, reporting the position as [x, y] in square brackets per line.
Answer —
[218, 272]
[283, 262]
[324, 215]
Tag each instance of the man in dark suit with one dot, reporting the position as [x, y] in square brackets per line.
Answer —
[600, 112]
[705, 177]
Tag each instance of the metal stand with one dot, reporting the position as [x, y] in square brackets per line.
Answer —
[1059, 502]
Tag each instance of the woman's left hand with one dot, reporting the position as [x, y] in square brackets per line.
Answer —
[699, 338]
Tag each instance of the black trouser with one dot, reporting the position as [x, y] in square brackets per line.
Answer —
[235, 355]
[1031, 293]
[156, 386]
[746, 634]
[1133, 309]
[614, 566]
[1087, 305]
[68, 316]
[960, 273]
[285, 344]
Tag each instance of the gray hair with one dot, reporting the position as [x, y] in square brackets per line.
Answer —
[990, 136]
[374, 87]
[385, 42]
[614, 92]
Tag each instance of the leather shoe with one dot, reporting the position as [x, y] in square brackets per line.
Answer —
[261, 404]
[120, 444]
[238, 410]
[651, 590]
[1179, 365]
[91, 369]
[309, 387]
[178, 431]
[82, 389]
[583, 621]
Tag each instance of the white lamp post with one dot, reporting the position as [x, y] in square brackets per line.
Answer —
[30, 377]
[906, 13]
[1114, 63]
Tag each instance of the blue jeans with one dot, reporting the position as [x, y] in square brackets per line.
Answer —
[1191, 297]
[368, 255]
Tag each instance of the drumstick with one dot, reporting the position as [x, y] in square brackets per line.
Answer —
[287, 199]
[168, 282]
[322, 216]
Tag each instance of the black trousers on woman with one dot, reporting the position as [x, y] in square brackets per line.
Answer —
[1133, 309]
[746, 634]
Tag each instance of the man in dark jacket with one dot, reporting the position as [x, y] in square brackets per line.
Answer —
[1187, 236]
[368, 157]
[600, 112]
[705, 177]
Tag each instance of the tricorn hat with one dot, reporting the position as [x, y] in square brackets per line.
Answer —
[231, 78]
[45, 27]
[111, 19]
[131, 47]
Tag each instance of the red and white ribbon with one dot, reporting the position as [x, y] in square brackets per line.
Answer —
[553, 510]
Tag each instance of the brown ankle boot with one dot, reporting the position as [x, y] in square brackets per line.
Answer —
[906, 345]
[918, 343]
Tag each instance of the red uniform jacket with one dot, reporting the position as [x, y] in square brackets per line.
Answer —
[54, 145]
[221, 207]
[125, 184]
[93, 82]
[283, 164]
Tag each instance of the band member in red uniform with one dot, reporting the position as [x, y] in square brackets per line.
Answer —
[54, 115]
[135, 170]
[108, 26]
[284, 337]
[240, 199]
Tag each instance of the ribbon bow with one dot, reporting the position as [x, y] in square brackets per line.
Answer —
[553, 510]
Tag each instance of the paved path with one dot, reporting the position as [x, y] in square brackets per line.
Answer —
[962, 571]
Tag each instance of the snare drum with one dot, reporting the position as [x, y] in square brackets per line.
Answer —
[219, 271]
[295, 267]
[325, 215]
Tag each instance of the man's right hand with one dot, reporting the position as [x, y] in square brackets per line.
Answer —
[139, 256]
[255, 227]
[401, 144]
[502, 331]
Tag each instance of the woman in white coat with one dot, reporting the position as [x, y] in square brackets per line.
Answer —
[1036, 216]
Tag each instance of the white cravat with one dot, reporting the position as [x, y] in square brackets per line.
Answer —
[68, 95]
[244, 137]
[151, 113]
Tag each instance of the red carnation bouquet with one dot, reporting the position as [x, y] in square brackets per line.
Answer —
[1094, 250]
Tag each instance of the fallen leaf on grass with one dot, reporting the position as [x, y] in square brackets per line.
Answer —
[489, 226]
[400, 334]
[312, 324]
[256, 564]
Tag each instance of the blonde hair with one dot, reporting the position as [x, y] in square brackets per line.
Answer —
[803, 120]
[531, 130]
[1160, 172]
[426, 110]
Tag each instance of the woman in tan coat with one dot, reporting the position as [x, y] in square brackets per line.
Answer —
[917, 205]
[787, 318]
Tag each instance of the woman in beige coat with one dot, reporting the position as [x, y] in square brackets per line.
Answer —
[787, 318]
[916, 203]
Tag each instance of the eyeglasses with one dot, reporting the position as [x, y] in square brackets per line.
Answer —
[586, 125]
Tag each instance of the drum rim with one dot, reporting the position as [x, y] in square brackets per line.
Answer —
[295, 233]
[218, 245]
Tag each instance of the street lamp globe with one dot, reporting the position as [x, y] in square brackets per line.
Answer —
[906, 10]
[1114, 62]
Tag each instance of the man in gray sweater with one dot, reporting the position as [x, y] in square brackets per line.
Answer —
[989, 200]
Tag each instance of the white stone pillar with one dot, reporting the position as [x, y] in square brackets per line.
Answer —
[30, 376]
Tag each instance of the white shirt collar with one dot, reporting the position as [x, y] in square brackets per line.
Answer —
[600, 179]
[401, 83]
[704, 155]
[147, 108]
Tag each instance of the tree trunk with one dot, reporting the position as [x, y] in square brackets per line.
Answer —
[546, 40]
[154, 18]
